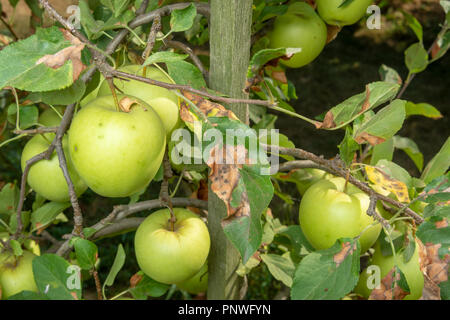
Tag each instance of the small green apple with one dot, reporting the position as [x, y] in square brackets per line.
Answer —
[46, 177]
[16, 274]
[172, 255]
[410, 269]
[117, 153]
[331, 209]
[163, 101]
[198, 283]
[299, 27]
[334, 14]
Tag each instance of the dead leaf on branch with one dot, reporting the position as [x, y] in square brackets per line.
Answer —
[126, 103]
[389, 288]
[373, 140]
[135, 279]
[347, 249]
[332, 32]
[207, 107]
[72, 53]
[225, 162]
[383, 180]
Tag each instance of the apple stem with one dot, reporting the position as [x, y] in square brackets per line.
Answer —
[113, 91]
[346, 181]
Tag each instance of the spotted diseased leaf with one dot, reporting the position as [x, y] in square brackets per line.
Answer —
[48, 60]
[206, 107]
[389, 75]
[383, 180]
[392, 287]
[327, 274]
[441, 46]
[376, 93]
[383, 125]
[143, 286]
[263, 57]
[245, 192]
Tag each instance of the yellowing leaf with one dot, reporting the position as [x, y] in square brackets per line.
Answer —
[381, 179]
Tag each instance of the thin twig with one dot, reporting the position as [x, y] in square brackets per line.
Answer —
[98, 284]
[37, 130]
[337, 168]
[11, 30]
[164, 192]
[299, 164]
[156, 27]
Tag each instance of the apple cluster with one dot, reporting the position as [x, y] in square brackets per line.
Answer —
[301, 27]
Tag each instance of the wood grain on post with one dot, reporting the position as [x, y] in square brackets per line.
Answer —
[230, 34]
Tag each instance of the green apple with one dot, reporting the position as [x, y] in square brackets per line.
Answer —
[163, 101]
[198, 283]
[334, 14]
[330, 210]
[305, 178]
[299, 27]
[46, 177]
[117, 153]
[411, 270]
[16, 274]
[171, 255]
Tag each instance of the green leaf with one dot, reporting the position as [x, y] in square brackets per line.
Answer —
[382, 151]
[18, 66]
[118, 263]
[116, 6]
[264, 56]
[16, 247]
[53, 278]
[164, 56]
[9, 198]
[348, 147]
[436, 230]
[13, 3]
[245, 232]
[47, 213]
[327, 274]
[415, 25]
[389, 75]
[183, 72]
[86, 252]
[416, 58]
[90, 25]
[383, 125]
[422, 109]
[183, 19]
[281, 267]
[298, 240]
[88, 232]
[64, 97]
[25, 217]
[376, 94]
[28, 115]
[439, 164]
[148, 287]
[28, 295]
[410, 248]
[411, 149]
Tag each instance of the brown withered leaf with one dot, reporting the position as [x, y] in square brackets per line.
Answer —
[72, 53]
[347, 249]
[389, 289]
[373, 140]
[435, 49]
[74, 295]
[328, 122]
[224, 176]
[332, 32]
[208, 108]
[280, 76]
[312, 3]
[126, 103]
[381, 179]
[135, 279]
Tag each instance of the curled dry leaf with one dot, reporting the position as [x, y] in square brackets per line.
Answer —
[72, 53]
[135, 279]
[332, 32]
[389, 288]
[208, 108]
[126, 103]
[225, 176]
[381, 179]
[347, 249]
[373, 140]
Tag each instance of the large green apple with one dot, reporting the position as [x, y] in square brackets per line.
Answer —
[198, 283]
[299, 27]
[411, 270]
[163, 101]
[330, 210]
[334, 14]
[172, 256]
[305, 178]
[46, 177]
[117, 153]
[16, 274]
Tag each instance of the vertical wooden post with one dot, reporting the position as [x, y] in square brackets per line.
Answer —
[230, 34]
